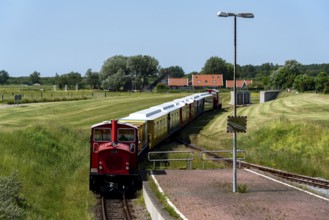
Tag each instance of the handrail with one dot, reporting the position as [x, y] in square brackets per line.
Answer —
[189, 157]
[217, 157]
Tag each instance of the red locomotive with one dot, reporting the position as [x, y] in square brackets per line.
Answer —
[116, 145]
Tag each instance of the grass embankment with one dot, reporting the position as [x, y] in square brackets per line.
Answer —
[300, 147]
[51, 163]
[47, 144]
[290, 133]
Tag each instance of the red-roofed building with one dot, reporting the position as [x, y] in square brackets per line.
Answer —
[239, 83]
[209, 81]
[177, 82]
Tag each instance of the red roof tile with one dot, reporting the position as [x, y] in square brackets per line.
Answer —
[177, 81]
[239, 83]
[207, 80]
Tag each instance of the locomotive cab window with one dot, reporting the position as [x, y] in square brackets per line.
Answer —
[102, 134]
[126, 135]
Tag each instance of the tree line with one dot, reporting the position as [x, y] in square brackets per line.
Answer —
[291, 75]
[138, 72]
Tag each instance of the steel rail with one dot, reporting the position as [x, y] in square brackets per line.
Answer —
[104, 213]
[126, 208]
[123, 211]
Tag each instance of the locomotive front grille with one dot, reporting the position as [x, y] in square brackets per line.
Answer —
[114, 163]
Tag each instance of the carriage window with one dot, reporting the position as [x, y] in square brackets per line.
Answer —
[102, 134]
[126, 135]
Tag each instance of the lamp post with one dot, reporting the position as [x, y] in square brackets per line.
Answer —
[242, 15]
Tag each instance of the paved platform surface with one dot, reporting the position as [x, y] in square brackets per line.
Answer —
[207, 194]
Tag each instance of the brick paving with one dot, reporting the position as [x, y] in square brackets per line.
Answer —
[207, 194]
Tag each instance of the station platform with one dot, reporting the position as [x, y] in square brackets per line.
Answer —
[207, 194]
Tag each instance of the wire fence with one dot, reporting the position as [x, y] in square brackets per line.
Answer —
[14, 97]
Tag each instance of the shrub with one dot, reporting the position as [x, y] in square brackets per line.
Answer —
[11, 202]
[242, 188]
[161, 88]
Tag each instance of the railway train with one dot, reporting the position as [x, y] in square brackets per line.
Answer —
[116, 145]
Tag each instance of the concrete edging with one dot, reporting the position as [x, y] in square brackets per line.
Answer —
[154, 207]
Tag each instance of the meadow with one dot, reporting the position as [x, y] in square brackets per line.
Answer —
[45, 145]
[289, 133]
[46, 93]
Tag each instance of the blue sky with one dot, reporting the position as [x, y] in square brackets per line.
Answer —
[63, 36]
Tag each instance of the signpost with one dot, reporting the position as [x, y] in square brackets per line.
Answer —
[17, 98]
[236, 124]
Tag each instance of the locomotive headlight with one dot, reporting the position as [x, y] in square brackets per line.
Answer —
[127, 166]
[100, 167]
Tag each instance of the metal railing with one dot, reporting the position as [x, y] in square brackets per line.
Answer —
[189, 156]
[216, 157]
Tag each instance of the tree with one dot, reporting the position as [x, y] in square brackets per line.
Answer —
[247, 72]
[92, 79]
[326, 88]
[35, 77]
[173, 71]
[71, 79]
[284, 76]
[216, 65]
[4, 76]
[315, 69]
[140, 67]
[303, 83]
[115, 81]
[189, 75]
[264, 72]
[320, 81]
[113, 65]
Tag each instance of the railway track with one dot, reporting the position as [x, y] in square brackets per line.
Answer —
[311, 181]
[116, 208]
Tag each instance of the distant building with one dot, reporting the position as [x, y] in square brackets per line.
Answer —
[269, 95]
[207, 81]
[161, 79]
[177, 83]
[240, 84]
[243, 96]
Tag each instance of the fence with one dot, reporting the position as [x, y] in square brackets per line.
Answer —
[189, 156]
[215, 157]
[49, 95]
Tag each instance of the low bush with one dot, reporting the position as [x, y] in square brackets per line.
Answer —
[242, 188]
[11, 201]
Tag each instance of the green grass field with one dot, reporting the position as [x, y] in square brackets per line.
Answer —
[47, 143]
[290, 133]
[47, 93]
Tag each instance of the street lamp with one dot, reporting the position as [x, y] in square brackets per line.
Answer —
[242, 15]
